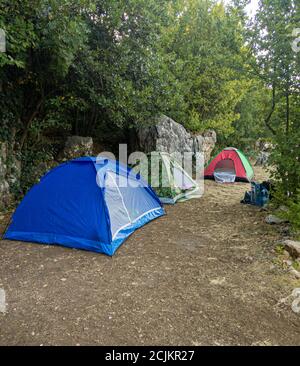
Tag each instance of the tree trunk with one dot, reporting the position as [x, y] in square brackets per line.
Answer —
[287, 126]
[28, 124]
[268, 119]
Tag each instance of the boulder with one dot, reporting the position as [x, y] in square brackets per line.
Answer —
[294, 272]
[2, 301]
[4, 194]
[274, 220]
[10, 172]
[4, 186]
[171, 137]
[263, 145]
[263, 158]
[265, 148]
[14, 171]
[293, 247]
[77, 146]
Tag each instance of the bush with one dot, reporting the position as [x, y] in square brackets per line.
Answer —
[286, 160]
[36, 161]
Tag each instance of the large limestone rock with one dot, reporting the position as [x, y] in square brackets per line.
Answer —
[77, 146]
[4, 186]
[293, 247]
[14, 171]
[274, 220]
[10, 171]
[263, 145]
[263, 158]
[205, 143]
[265, 148]
[171, 137]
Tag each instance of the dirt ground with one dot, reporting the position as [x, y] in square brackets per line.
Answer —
[201, 275]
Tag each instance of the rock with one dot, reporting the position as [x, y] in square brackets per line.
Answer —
[218, 281]
[77, 146]
[4, 186]
[296, 306]
[265, 148]
[293, 247]
[285, 230]
[171, 137]
[294, 272]
[296, 292]
[274, 220]
[264, 208]
[263, 145]
[263, 158]
[209, 143]
[2, 301]
[283, 208]
[10, 172]
[286, 254]
[296, 302]
[14, 171]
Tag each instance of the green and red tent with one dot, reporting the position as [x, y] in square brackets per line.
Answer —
[230, 165]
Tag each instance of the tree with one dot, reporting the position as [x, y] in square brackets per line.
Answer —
[206, 47]
[42, 41]
[278, 67]
[276, 64]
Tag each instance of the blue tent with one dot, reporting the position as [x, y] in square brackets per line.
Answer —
[85, 204]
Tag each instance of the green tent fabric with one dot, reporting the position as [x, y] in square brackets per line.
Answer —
[247, 165]
[169, 180]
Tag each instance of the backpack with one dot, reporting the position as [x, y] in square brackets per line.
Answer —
[258, 196]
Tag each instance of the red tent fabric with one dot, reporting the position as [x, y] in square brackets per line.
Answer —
[227, 154]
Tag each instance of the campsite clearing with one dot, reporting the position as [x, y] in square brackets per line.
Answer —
[201, 275]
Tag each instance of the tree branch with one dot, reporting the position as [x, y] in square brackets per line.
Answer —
[268, 119]
[28, 123]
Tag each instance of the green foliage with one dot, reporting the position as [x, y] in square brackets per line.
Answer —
[292, 212]
[103, 68]
[286, 160]
[278, 67]
[119, 64]
[206, 46]
[36, 161]
[250, 126]
[296, 265]
[42, 41]
[280, 249]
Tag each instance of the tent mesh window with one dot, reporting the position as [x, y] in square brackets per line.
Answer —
[126, 201]
[118, 213]
[167, 177]
[225, 171]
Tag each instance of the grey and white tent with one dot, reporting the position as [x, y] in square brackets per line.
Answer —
[168, 179]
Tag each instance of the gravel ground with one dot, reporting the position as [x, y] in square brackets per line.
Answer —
[201, 275]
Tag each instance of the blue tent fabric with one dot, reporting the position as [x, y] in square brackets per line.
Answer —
[69, 208]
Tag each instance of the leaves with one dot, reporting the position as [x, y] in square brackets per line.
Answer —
[102, 67]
